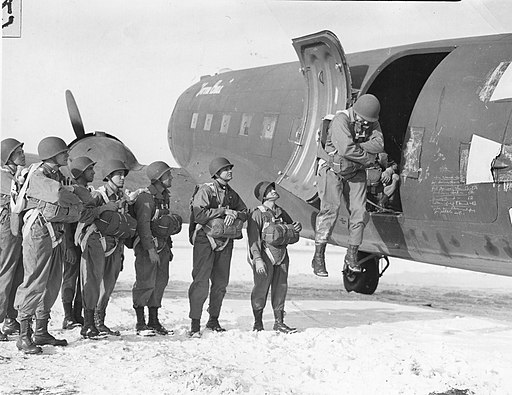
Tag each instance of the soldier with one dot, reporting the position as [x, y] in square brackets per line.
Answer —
[269, 262]
[152, 249]
[82, 171]
[212, 258]
[92, 242]
[11, 261]
[49, 206]
[354, 138]
[114, 173]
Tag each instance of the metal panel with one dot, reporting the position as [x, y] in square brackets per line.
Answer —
[325, 69]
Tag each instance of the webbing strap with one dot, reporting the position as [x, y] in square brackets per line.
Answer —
[29, 219]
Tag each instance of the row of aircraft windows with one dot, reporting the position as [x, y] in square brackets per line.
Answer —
[267, 128]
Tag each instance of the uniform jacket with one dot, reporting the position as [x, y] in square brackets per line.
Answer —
[7, 176]
[157, 197]
[212, 202]
[340, 139]
[257, 219]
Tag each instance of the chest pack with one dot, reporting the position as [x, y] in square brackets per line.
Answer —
[333, 159]
[118, 224]
[165, 225]
[215, 228]
[275, 232]
[54, 203]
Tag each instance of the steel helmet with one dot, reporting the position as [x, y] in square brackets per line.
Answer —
[218, 164]
[111, 166]
[50, 147]
[261, 189]
[367, 107]
[8, 147]
[156, 170]
[78, 165]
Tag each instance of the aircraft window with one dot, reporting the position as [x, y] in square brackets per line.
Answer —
[412, 151]
[208, 122]
[225, 123]
[246, 124]
[193, 123]
[269, 125]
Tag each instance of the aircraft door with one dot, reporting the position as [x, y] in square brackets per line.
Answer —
[329, 89]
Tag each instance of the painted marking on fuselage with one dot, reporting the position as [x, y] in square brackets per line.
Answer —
[492, 81]
[450, 197]
[210, 90]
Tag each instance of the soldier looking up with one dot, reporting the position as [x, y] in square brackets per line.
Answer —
[212, 256]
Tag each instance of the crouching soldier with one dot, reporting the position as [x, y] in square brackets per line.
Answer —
[50, 207]
[270, 229]
[11, 262]
[212, 201]
[155, 225]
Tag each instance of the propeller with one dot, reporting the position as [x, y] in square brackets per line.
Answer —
[74, 115]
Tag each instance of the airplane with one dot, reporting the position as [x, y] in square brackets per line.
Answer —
[445, 112]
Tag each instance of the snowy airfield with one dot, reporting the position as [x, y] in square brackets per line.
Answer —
[427, 330]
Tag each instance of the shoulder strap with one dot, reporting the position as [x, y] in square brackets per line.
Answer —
[103, 192]
[20, 202]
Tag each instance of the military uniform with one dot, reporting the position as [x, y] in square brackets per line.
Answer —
[275, 258]
[11, 260]
[71, 292]
[43, 253]
[151, 279]
[209, 264]
[352, 186]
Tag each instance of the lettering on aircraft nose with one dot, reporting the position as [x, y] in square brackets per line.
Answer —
[210, 90]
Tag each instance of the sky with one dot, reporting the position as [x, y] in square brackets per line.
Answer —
[127, 61]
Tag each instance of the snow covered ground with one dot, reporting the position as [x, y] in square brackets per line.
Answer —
[427, 330]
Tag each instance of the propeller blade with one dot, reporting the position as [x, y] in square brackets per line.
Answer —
[74, 115]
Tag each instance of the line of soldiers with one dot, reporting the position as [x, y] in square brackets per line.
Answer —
[61, 234]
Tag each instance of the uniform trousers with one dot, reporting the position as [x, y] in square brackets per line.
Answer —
[276, 281]
[113, 265]
[331, 190]
[11, 269]
[70, 291]
[42, 266]
[150, 278]
[98, 273]
[209, 266]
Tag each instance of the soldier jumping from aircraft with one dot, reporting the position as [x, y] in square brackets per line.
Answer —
[353, 139]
